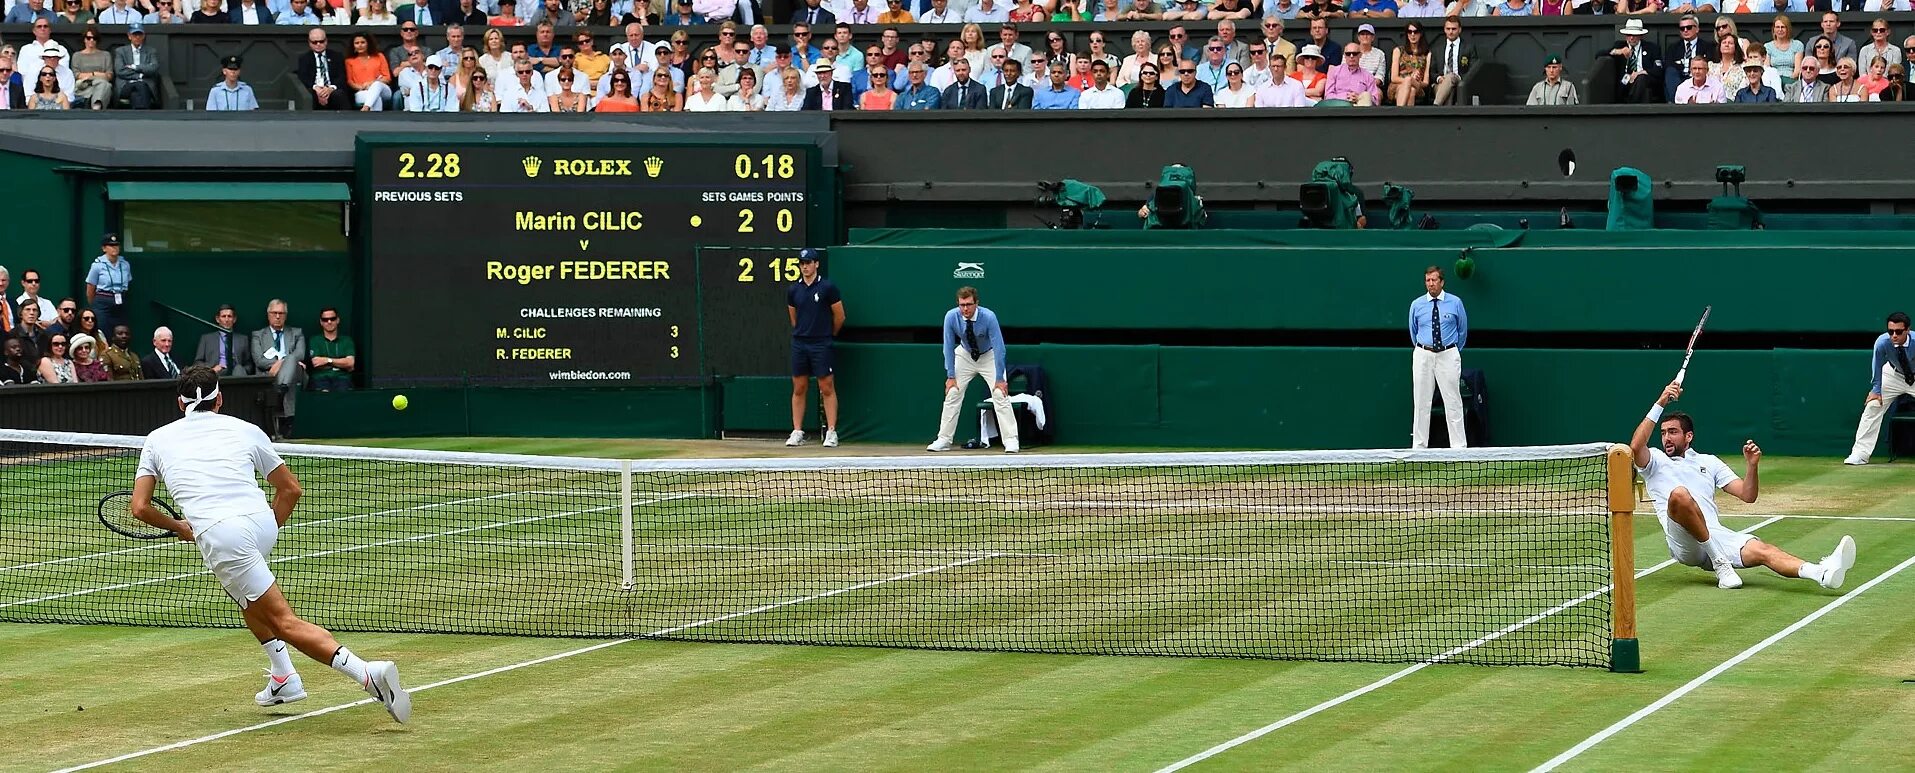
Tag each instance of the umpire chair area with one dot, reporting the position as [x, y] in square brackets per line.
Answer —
[1027, 380]
[1475, 393]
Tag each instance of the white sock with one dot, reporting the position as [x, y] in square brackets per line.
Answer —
[276, 654]
[1810, 571]
[349, 664]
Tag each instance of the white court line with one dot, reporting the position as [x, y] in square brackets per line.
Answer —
[295, 525]
[1392, 678]
[317, 554]
[515, 666]
[1712, 673]
[1286, 561]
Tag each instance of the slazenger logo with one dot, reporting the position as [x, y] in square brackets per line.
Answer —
[968, 271]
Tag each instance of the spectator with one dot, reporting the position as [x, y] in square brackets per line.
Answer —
[1189, 10]
[1008, 46]
[8, 317]
[1785, 52]
[92, 74]
[1411, 64]
[136, 70]
[1282, 90]
[1142, 10]
[298, 12]
[30, 296]
[1372, 59]
[1026, 11]
[598, 13]
[1102, 94]
[163, 13]
[1450, 60]
[815, 15]
[660, 98]
[480, 95]
[31, 335]
[1842, 45]
[1754, 91]
[1821, 52]
[591, 61]
[334, 358]
[1080, 73]
[280, 352]
[399, 57]
[377, 14]
[879, 96]
[222, 350]
[830, 93]
[1310, 73]
[88, 368]
[231, 93]
[636, 12]
[253, 12]
[1236, 92]
[28, 12]
[52, 57]
[568, 65]
[861, 80]
[1699, 88]
[789, 93]
[322, 73]
[526, 93]
[46, 92]
[749, 99]
[68, 313]
[1897, 90]
[1847, 88]
[1211, 71]
[1877, 78]
[1139, 54]
[1281, 9]
[1320, 37]
[963, 93]
[565, 97]
[1321, 9]
[620, 99]
[1552, 90]
[1640, 69]
[494, 57]
[1687, 47]
[1758, 56]
[1807, 88]
[1420, 9]
[986, 12]
[1372, 9]
[941, 13]
[1188, 92]
[74, 13]
[895, 13]
[1513, 8]
[1350, 82]
[1879, 46]
[209, 13]
[108, 281]
[121, 363]
[972, 36]
[55, 366]
[1147, 92]
[368, 74]
[160, 364]
[13, 366]
[703, 96]
[455, 46]
[118, 12]
[543, 54]
[682, 15]
[89, 326]
[1229, 9]
[1727, 69]
[918, 95]
[422, 89]
[1057, 93]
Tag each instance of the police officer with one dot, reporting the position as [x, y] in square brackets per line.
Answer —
[817, 314]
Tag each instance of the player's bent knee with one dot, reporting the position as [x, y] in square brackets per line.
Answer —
[1681, 496]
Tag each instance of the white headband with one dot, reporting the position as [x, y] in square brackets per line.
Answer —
[198, 397]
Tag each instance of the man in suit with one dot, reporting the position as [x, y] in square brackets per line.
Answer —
[223, 350]
[1638, 68]
[813, 15]
[1689, 46]
[1807, 87]
[1012, 94]
[436, 13]
[280, 351]
[963, 93]
[136, 71]
[830, 93]
[13, 96]
[1452, 57]
[160, 364]
[323, 73]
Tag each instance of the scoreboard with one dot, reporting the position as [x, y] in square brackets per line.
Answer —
[550, 261]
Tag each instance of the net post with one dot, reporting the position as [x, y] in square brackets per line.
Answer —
[1625, 653]
[625, 524]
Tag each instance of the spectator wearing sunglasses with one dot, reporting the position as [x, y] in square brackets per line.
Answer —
[1188, 91]
[333, 356]
[1350, 82]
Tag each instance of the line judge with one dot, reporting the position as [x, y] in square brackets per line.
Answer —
[973, 347]
[1438, 329]
[817, 314]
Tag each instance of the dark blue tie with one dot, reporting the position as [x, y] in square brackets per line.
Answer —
[1436, 323]
[970, 339]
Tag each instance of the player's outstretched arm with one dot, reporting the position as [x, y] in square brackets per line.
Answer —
[286, 493]
[144, 510]
[1639, 443]
[1748, 487]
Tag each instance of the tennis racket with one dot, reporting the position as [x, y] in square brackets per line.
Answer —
[116, 513]
[1691, 351]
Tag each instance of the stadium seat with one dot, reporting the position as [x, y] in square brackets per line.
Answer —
[1901, 428]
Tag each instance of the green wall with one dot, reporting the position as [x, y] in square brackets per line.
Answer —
[1794, 402]
[41, 234]
[199, 283]
[660, 412]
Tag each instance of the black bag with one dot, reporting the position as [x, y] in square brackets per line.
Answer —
[1901, 434]
[1475, 413]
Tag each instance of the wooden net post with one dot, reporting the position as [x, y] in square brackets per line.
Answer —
[1625, 654]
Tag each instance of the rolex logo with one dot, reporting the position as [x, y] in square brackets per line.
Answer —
[532, 164]
[654, 165]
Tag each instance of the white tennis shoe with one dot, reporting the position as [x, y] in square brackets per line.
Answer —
[1010, 446]
[382, 681]
[831, 438]
[797, 439]
[1856, 460]
[281, 690]
[1726, 578]
[939, 444]
[1835, 568]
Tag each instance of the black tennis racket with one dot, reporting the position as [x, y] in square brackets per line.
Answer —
[116, 513]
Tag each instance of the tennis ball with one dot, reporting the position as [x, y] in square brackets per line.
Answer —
[399, 402]
[1465, 267]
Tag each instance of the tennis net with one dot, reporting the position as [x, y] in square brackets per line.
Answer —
[1494, 556]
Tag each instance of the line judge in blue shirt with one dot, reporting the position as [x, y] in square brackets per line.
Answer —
[973, 347]
[817, 314]
[1438, 329]
[1891, 375]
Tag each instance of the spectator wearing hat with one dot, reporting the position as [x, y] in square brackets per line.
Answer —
[508, 15]
[136, 71]
[1552, 90]
[231, 93]
[817, 316]
[1755, 92]
[421, 87]
[55, 57]
[88, 367]
[108, 281]
[1372, 59]
[1310, 73]
[830, 93]
[1639, 67]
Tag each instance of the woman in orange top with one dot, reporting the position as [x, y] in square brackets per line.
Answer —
[368, 74]
[879, 96]
[660, 98]
[620, 100]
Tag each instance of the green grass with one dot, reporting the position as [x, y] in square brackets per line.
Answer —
[1827, 697]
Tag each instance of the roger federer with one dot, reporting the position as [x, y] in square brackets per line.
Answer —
[1683, 484]
[209, 462]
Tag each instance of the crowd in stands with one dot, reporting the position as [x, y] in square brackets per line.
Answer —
[1201, 62]
[43, 341]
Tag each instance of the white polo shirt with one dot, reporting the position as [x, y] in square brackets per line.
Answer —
[211, 463]
[1701, 474]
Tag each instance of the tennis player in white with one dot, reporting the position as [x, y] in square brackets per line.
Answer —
[1683, 484]
[209, 462]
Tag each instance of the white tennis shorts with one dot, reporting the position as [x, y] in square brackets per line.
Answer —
[236, 549]
[1684, 548]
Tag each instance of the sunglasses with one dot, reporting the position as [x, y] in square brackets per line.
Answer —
[69, 309]
[1352, 53]
[1686, 27]
[30, 281]
[1883, 30]
[57, 343]
[1186, 72]
[1256, 52]
[328, 319]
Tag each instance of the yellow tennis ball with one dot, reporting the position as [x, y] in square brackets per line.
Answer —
[399, 402]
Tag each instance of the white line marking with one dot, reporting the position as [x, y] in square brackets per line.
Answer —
[295, 525]
[1712, 673]
[1285, 560]
[515, 666]
[1392, 678]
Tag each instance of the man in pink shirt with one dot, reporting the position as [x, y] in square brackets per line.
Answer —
[1351, 82]
[1699, 89]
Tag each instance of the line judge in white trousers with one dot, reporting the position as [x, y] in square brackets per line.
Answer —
[1892, 370]
[973, 347]
[1438, 329]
